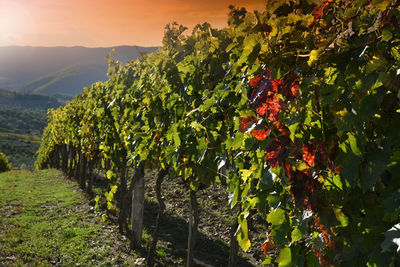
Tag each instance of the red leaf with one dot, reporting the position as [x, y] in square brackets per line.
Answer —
[322, 155]
[267, 245]
[302, 189]
[276, 84]
[254, 82]
[274, 106]
[261, 110]
[261, 92]
[319, 12]
[309, 153]
[290, 86]
[244, 122]
[277, 151]
[260, 134]
[282, 128]
[288, 169]
[262, 86]
[271, 107]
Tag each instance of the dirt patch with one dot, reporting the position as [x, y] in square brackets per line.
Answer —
[216, 218]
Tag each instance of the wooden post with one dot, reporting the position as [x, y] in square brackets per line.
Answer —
[193, 225]
[137, 207]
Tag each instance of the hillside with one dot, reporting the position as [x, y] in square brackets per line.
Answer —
[20, 132]
[28, 101]
[22, 120]
[68, 81]
[58, 70]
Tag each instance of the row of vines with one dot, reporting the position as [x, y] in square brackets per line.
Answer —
[296, 108]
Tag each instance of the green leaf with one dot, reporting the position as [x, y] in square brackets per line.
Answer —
[244, 243]
[242, 234]
[386, 35]
[113, 188]
[392, 203]
[285, 257]
[297, 235]
[273, 201]
[110, 174]
[335, 180]
[280, 232]
[268, 261]
[245, 174]
[395, 52]
[344, 221]
[207, 104]
[235, 187]
[375, 163]
[314, 54]
[292, 129]
[349, 161]
[331, 75]
[197, 126]
[353, 145]
[238, 141]
[194, 185]
[276, 217]
[266, 180]
[381, 4]
[201, 149]
[376, 64]
[109, 196]
[173, 134]
[368, 106]
[254, 54]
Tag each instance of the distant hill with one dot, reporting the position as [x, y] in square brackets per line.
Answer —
[68, 81]
[58, 70]
[22, 120]
[10, 99]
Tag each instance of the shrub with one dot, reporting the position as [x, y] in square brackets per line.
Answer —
[4, 164]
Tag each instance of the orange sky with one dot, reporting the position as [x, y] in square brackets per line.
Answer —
[94, 23]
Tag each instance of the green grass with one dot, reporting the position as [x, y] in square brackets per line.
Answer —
[43, 222]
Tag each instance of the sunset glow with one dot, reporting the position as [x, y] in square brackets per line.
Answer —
[94, 23]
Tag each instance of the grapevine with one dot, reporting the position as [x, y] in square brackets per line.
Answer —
[296, 107]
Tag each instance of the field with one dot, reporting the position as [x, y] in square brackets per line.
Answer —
[45, 219]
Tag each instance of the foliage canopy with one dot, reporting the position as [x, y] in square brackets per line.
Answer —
[299, 102]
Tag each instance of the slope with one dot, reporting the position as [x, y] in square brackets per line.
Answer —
[68, 81]
[27, 101]
[20, 66]
[22, 120]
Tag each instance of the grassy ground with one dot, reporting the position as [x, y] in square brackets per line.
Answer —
[44, 221]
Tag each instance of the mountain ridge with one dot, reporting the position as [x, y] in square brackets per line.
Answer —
[22, 67]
